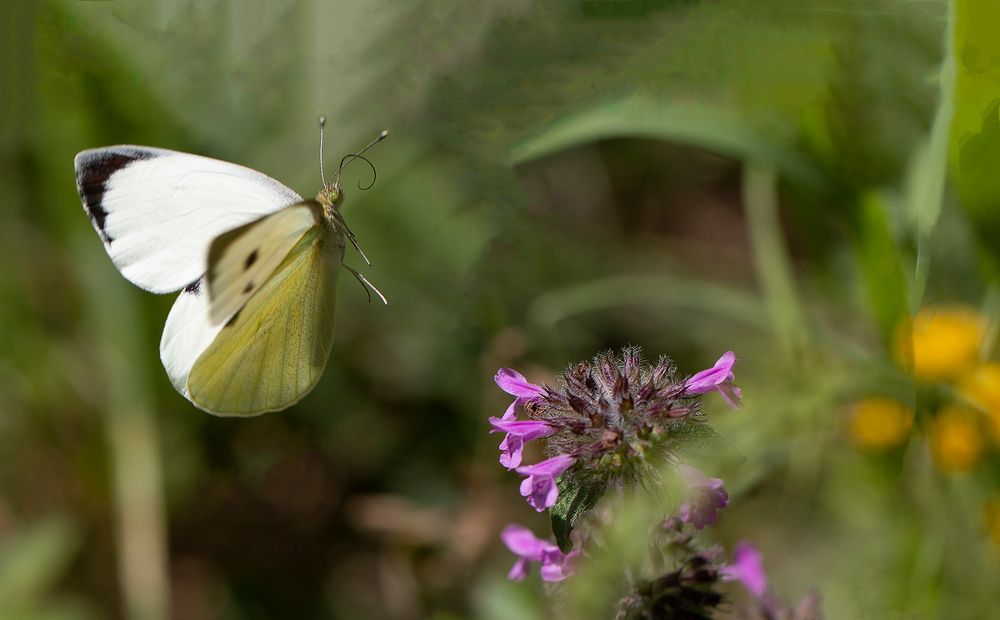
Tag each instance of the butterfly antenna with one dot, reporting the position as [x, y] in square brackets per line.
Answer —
[322, 174]
[349, 158]
[368, 286]
[371, 183]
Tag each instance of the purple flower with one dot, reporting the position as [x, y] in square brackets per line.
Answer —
[706, 498]
[518, 432]
[748, 569]
[718, 377]
[515, 384]
[556, 565]
[540, 485]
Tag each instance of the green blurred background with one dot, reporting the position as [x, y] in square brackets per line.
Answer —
[790, 180]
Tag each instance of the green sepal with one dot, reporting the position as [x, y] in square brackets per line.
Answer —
[692, 438]
[578, 494]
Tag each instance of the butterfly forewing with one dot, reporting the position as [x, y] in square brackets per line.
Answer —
[157, 210]
[272, 351]
[241, 261]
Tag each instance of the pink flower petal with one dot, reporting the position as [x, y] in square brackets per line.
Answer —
[523, 542]
[747, 568]
[514, 383]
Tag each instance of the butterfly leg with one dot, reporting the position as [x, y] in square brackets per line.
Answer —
[368, 286]
[350, 236]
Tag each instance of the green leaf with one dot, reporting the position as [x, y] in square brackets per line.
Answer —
[881, 264]
[578, 494]
[703, 126]
[559, 304]
[975, 127]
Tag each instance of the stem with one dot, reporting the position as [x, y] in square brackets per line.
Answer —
[770, 257]
[141, 535]
[132, 434]
[929, 167]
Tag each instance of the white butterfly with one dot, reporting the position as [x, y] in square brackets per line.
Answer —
[256, 265]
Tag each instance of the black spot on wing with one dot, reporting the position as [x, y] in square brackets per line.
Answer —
[194, 288]
[232, 319]
[250, 260]
[248, 288]
[93, 170]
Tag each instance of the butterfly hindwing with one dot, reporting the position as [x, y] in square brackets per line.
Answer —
[187, 334]
[157, 210]
[241, 260]
[272, 351]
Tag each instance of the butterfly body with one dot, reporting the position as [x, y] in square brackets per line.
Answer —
[256, 266]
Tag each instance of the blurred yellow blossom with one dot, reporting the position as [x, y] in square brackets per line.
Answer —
[982, 387]
[940, 342]
[878, 423]
[956, 441]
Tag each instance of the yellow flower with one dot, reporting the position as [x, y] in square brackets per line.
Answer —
[940, 343]
[956, 442]
[878, 423]
[982, 387]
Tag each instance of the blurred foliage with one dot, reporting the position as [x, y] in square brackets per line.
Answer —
[976, 126]
[766, 176]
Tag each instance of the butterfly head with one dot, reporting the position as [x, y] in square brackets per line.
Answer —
[331, 196]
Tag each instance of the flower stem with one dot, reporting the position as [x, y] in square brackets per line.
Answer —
[132, 434]
[770, 257]
[925, 187]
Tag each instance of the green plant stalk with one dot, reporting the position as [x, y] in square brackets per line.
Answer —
[132, 435]
[141, 532]
[770, 257]
[991, 309]
[884, 271]
[929, 168]
[926, 193]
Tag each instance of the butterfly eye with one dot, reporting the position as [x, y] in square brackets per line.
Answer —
[331, 196]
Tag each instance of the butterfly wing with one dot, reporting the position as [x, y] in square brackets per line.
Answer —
[187, 334]
[272, 351]
[241, 260]
[157, 210]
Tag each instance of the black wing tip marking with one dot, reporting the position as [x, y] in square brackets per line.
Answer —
[94, 167]
[194, 288]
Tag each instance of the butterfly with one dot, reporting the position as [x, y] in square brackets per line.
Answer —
[256, 266]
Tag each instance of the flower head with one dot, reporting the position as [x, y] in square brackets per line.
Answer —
[956, 440]
[689, 588]
[515, 384]
[518, 432]
[614, 419]
[540, 485]
[879, 423]
[940, 343]
[981, 387]
[555, 565]
[706, 498]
